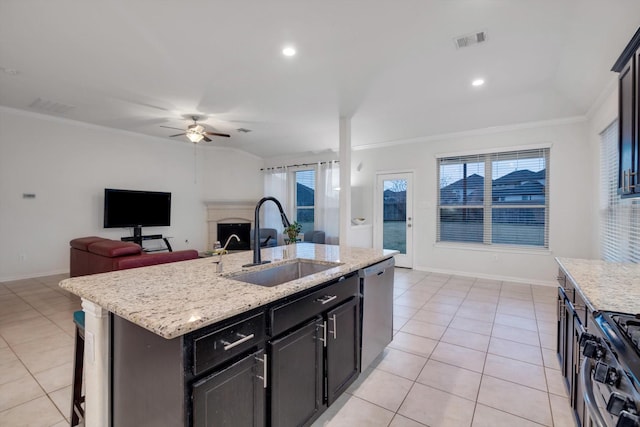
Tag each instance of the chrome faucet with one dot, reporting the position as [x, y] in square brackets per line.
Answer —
[257, 260]
[223, 251]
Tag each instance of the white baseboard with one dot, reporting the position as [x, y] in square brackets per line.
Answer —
[551, 283]
[32, 275]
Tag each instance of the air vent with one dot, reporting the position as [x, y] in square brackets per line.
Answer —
[470, 39]
[50, 107]
[243, 130]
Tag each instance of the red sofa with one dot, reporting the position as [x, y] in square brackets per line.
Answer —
[90, 255]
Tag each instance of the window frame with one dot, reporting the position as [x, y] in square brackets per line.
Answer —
[488, 205]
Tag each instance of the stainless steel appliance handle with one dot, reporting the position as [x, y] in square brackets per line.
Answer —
[587, 394]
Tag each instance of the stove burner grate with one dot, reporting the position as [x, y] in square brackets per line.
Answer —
[630, 326]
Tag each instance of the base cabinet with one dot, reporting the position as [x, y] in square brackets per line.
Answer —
[233, 396]
[311, 365]
[343, 348]
[296, 376]
[572, 322]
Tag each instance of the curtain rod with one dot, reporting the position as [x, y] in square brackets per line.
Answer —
[301, 164]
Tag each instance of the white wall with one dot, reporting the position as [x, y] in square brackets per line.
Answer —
[599, 119]
[68, 164]
[572, 190]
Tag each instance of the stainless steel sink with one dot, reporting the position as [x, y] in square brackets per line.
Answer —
[283, 273]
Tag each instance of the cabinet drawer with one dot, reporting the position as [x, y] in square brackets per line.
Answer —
[214, 348]
[298, 310]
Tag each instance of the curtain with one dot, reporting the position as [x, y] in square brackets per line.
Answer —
[328, 200]
[275, 185]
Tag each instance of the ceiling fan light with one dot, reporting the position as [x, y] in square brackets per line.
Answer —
[194, 137]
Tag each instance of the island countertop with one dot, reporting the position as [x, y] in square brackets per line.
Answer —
[608, 286]
[176, 298]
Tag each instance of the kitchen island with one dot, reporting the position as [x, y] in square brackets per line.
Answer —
[183, 299]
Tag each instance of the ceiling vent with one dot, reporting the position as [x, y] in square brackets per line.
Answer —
[470, 39]
[50, 107]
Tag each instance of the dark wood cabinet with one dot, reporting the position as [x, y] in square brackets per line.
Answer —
[343, 348]
[232, 396]
[563, 334]
[627, 128]
[296, 375]
[573, 316]
[313, 363]
[629, 118]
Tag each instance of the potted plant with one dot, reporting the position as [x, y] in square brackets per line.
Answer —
[292, 232]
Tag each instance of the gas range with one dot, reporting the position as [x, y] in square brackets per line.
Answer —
[610, 371]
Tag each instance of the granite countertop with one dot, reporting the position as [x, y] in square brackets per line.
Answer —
[176, 298]
[608, 286]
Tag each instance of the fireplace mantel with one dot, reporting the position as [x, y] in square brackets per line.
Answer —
[227, 211]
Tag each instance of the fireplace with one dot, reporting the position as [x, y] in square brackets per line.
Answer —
[242, 230]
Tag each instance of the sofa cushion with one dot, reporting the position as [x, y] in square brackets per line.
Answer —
[145, 260]
[82, 243]
[114, 248]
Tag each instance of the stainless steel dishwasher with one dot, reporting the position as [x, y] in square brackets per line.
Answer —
[376, 282]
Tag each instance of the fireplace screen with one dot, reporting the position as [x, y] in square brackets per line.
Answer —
[243, 231]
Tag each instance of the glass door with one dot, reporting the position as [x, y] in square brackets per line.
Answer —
[394, 217]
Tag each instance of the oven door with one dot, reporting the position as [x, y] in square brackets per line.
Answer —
[595, 415]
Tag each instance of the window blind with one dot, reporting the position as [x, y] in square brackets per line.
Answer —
[509, 208]
[619, 218]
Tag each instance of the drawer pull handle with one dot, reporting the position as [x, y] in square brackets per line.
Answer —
[243, 339]
[326, 299]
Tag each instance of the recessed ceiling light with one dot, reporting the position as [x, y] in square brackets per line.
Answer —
[477, 82]
[288, 51]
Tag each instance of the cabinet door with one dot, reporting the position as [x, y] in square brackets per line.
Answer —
[296, 375]
[577, 391]
[234, 396]
[343, 347]
[628, 138]
[562, 333]
[567, 368]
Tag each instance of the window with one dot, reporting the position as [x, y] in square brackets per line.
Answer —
[619, 218]
[304, 199]
[510, 209]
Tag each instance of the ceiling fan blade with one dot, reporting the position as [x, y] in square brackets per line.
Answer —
[169, 127]
[177, 134]
[206, 138]
[226, 135]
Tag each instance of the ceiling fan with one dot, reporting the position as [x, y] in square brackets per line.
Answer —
[196, 132]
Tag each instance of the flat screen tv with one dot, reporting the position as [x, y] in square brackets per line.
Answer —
[128, 208]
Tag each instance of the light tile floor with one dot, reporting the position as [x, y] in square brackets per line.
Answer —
[466, 352]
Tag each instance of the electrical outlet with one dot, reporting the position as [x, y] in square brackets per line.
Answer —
[22, 257]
